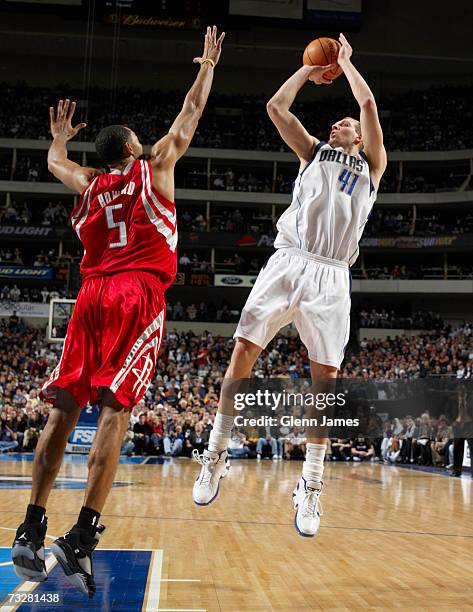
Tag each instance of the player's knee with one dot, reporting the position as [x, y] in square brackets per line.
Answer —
[65, 402]
[320, 370]
[109, 400]
[245, 353]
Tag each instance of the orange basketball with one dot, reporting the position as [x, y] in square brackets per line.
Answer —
[323, 51]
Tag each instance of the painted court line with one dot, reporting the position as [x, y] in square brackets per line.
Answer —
[179, 580]
[58, 479]
[153, 590]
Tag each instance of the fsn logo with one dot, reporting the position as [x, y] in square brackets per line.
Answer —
[86, 436]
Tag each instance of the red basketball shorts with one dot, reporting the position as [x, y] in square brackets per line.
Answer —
[112, 340]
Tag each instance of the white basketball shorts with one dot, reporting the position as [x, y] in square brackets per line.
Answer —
[309, 290]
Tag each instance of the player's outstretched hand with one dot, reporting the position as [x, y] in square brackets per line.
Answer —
[61, 121]
[212, 46]
[316, 74]
[345, 49]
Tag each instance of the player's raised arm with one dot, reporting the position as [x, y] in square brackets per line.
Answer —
[68, 172]
[291, 129]
[176, 142]
[371, 131]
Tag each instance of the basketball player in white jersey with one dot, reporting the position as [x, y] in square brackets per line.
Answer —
[307, 280]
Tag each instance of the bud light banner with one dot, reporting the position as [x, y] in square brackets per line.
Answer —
[84, 432]
[12, 271]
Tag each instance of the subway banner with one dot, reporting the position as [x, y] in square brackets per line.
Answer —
[84, 432]
[14, 271]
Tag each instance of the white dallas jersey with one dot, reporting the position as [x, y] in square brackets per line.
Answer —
[331, 201]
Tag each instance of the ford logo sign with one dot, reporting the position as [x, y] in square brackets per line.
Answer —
[232, 280]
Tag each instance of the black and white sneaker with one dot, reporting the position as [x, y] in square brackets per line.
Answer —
[28, 551]
[74, 552]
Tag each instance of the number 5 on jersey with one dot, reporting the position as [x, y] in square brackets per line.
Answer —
[112, 224]
[344, 178]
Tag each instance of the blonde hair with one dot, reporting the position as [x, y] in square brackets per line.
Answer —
[356, 125]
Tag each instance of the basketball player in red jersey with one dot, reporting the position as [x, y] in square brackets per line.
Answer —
[126, 221]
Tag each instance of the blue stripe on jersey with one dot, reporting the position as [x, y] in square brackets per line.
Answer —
[317, 147]
[297, 221]
[363, 155]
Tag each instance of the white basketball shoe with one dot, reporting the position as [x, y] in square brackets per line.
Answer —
[214, 467]
[306, 498]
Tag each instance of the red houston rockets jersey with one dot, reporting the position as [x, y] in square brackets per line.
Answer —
[125, 224]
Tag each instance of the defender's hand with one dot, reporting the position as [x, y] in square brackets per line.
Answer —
[316, 74]
[345, 50]
[212, 46]
[61, 121]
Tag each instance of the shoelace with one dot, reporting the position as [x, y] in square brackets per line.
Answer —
[205, 463]
[313, 504]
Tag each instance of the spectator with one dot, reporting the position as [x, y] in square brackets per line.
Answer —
[198, 439]
[8, 438]
[295, 443]
[439, 445]
[157, 435]
[268, 442]
[362, 449]
[462, 431]
[142, 434]
[174, 442]
[238, 446]
[341, 449]
[33, 430]
[128, 445]
[422, 441]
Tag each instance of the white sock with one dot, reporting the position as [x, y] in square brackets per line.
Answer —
[313, 466]
[220, 434]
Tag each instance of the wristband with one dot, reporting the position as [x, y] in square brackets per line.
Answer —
[210, 61]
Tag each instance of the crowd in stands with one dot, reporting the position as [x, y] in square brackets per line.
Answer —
[403, 272]
[221, 313]
[436, 118]
[382, 318]
[225, 262]
[176, 415]
[443, 352]
[177, 411]
[13, 293]
[31, 169]
[423, 440]
[258, 221]
[390, 222]
[50, 214]
[42, 257]
[429, 179]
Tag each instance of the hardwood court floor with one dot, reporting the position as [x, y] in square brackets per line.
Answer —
[390, 538]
